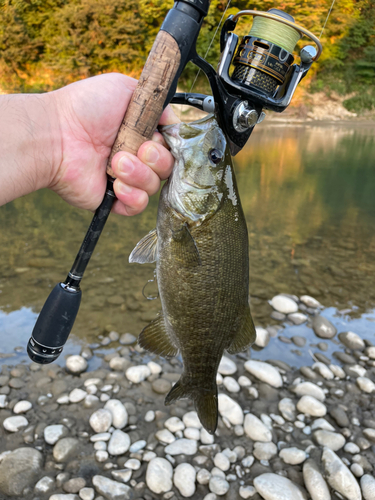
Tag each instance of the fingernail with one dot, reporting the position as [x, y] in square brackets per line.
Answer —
[152, 155]
[124, 188]
[126, 166]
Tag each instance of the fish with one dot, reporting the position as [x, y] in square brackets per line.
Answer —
[200, 246]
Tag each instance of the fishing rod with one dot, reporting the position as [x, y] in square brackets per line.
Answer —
[253, 74]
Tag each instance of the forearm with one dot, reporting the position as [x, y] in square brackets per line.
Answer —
[29, 144]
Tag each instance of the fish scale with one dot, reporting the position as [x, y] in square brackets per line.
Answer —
[202, 268]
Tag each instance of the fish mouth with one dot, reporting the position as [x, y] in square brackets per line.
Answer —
[197, 186]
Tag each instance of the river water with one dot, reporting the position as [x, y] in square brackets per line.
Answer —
[308, 195]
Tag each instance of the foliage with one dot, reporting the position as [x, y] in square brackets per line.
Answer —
[45, 44]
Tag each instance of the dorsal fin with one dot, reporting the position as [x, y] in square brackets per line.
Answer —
[154, 338]
[245, 336]
[145, 251]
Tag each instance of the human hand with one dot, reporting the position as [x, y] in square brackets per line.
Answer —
[90, 113]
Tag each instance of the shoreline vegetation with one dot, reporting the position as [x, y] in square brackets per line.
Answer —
[46, 45]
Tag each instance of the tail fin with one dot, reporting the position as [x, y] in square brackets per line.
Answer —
[205, 401]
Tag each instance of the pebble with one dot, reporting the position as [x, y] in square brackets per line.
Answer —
[122, 475]
[227, 366]
[165, 436]
[365, 384]
[231, 384]
[337, 371]
[45, 485]
[174, 424]
[161, 386]
[352, 448]
[311, 406]
[293, 456]
[230, 409]
[339, 476]
[101, 456]
[222, 461]
[77, 395]
[159, 475]
[138, 446]
[369, 433]
[368, 487]
[3, 401]
[119, 413]
[218, 485]
[87, 494]
[323, 328]
[182, 446]
[52, 433]
[357, 470]
[340, 416]
[264, 451]
[14, 424]
[323, 370]
[255, 429]
[101, 420]
[321, 423]
[192, 433]
[262, 337]
[244, 381]
[119, 443]
[191, 419]
[184, 479]
[264, 372]
[284, 304]
[103, 436]
[370, 352]
[22, 407]
[314, 481]
[137, 374]
[133, 464]
[351, 340]
[274, 487]
[127, 339]
[150, 416]
[298, 340]
[62, 496]
[247, 491]
[206, 437]
[76, 364]
[309, 389]
[155, 368]
[111, 490]
[332, 440]
[65, 449]
[298, 318]
[74, 485]
[287, 409]
[20, 469]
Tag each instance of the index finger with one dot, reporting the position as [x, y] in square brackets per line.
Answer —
[168, 117]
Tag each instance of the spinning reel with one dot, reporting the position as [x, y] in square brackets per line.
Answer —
[253, 74]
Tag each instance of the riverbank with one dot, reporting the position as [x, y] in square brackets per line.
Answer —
[70, 433]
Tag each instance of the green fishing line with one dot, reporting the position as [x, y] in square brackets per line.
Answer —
[278, 33]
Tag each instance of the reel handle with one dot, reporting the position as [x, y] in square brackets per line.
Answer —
[146, 105]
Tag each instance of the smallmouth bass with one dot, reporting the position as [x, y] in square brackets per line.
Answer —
[200, 246]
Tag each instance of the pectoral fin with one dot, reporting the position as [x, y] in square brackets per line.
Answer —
[155, 338]
[245, 336]
[145, 251]
[185, 248]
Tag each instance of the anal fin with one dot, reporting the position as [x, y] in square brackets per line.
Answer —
[145, 251]
[245, 336]
[154, 338]
[185, 248]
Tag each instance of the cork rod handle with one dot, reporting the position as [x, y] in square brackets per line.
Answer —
[146, 105]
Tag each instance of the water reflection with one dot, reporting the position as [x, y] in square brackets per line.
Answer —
[307, 193]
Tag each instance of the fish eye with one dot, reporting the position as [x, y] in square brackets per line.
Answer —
[215, 156]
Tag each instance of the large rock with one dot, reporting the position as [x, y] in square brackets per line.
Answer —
[275, 487]
[159, 475]
[314, 481]
[230, 409]
[256, 430]
[19, 470]
[339, 476]
[323, 328]
[264, 372]
[112, 490]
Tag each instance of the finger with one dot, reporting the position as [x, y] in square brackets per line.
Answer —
[157, 157]
[168, 117]
[157, 137]
[130, 200]
[132, 172]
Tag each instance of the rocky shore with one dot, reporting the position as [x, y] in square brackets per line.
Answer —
[70, 433]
